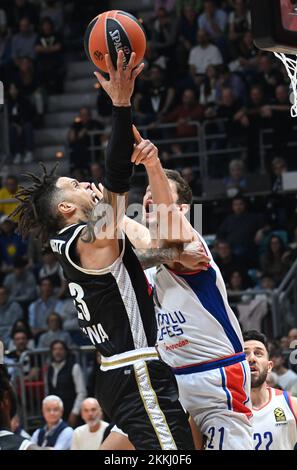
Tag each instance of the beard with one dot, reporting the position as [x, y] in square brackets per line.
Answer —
[256, 382]
[93, 422]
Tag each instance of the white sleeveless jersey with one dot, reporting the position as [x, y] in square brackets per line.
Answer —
[195, 321]
[274, 425]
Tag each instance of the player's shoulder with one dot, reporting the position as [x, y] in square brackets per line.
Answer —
[11, 441]
[65, 236]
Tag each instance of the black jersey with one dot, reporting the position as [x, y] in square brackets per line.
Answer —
[115, 304]
[10, 441]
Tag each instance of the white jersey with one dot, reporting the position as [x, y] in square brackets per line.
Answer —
[195, 321]
[274, 424]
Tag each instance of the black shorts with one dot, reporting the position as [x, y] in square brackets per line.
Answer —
[142, 400]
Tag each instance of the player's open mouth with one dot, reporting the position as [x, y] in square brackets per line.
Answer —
[253, 369]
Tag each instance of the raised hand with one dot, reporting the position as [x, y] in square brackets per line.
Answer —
[121, 81]
[145, 152]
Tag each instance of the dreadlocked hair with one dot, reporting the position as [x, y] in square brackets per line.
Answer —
[36, 210]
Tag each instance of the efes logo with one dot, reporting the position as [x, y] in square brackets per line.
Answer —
[98, 55]
[279, 415]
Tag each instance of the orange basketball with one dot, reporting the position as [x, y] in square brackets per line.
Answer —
[113, 31]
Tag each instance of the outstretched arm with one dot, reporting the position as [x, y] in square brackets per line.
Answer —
[172, 224]
[106, 215]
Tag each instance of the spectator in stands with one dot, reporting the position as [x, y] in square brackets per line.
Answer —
[21, 115]
[55, 332]
[239, 22]
[154, 99]
[230, 109]
[10, 311]
[266, 282]
[240, 229]
[238, 281]
[268, 75]
[12, 246]
[292, 336]
[49, 57]
[278, 167]
[232, 81]
[23, 9]
[21, 324]
[188, 110]
[255, 119]
[284, 343]
[236, 181]
[90, 435]
[164, 33]
[226, 260]
[65, 379]
[275, 262]
[247, 60]
[42, 307]
[213, 21]
[7, 193]
[206, 85]
[203, 54]
[79, 139]
[21, 284]
[187, 33]
[23, 43]
[54, 11]
[191, 178]
[27, 81]
[151, 58]
[31, 367]
[282, 122]
[56, 433]
[51, 269]
[285, 377]
[67, 311]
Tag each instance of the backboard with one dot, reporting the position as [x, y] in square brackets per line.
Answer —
[274, 25]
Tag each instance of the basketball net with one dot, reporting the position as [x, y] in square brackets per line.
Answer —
[291, 68]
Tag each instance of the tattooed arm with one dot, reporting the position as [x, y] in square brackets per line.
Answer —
[189, 257]
[150, 257]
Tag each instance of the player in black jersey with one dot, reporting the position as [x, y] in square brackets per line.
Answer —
[113, 299]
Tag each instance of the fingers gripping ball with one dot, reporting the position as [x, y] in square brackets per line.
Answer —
[111, 32]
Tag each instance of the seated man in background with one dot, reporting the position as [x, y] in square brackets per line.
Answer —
[56, 433]
[90, 435]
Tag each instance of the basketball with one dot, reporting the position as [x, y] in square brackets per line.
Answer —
[111, 32]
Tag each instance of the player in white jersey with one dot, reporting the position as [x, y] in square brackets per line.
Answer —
[274, 411]
[199, 335]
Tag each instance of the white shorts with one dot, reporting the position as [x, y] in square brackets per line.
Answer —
[219, 401]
